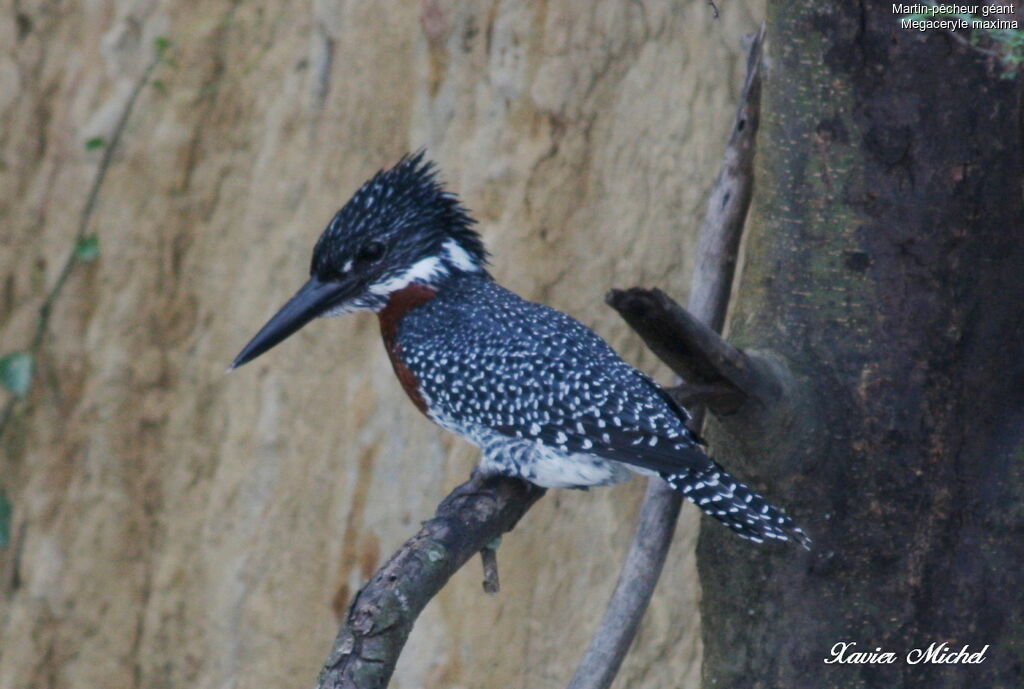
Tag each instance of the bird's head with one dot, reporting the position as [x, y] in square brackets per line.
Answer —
[399, 228]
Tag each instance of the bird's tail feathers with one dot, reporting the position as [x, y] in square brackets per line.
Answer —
[720, 495]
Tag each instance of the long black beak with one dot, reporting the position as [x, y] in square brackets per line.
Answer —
[312, 300]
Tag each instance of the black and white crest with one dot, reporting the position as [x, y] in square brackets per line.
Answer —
[406, 210]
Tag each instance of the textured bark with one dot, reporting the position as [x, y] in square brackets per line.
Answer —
[883, 268]
[173, 526]
[382, 614]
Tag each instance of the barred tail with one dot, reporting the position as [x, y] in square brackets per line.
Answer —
[717, 492]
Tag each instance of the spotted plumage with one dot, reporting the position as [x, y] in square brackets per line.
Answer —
[542, 395]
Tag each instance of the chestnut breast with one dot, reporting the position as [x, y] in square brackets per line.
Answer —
[399, 304]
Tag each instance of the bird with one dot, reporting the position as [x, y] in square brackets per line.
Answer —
[543, 396]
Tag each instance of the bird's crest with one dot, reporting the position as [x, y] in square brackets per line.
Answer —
[407, 199]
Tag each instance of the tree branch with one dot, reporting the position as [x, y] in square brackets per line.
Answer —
[716, 373]
[694, 351]
[382, 614]
[489, 558]
[711, 395]
[718, 240]
[718, 247]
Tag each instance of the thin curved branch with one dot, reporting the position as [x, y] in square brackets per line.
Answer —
[84, 220]
[382, 614]
[717, 247]
[718, 240]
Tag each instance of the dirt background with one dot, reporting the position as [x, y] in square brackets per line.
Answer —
[176, 527]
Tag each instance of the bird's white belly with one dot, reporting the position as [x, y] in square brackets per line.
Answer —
[537, 463]
[550, 468]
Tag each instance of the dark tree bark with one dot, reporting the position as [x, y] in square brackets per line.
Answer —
[884, 269]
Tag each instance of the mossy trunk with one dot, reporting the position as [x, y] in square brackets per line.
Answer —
[883, 267]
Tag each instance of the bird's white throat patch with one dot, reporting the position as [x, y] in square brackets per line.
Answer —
[426, 270]
[430, 269]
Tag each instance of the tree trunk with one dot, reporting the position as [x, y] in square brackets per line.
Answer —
[883, 277]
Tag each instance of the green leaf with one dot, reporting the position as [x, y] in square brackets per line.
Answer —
[161, 44]
[88, 248]
[94, 143]
[5, 520]
[16, 372]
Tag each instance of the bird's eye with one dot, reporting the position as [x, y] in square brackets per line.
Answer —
[371, 252]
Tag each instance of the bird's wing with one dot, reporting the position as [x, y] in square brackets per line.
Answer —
[619, 436]
[541, 375]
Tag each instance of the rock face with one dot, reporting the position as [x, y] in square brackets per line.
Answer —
[173, 526]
